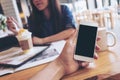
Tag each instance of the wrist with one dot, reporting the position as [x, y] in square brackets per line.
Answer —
[41, 41]
[60, 63]
[44, 40]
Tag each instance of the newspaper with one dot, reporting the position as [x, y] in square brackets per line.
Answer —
[48, 55]
[15, 55]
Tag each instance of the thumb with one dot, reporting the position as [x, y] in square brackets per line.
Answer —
[73, 37]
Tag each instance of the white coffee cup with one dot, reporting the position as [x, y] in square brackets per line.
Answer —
[103, 42]
[25, 40]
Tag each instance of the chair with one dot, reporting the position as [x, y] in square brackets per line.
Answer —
[98, 16]
[109, 15]
[83, 16]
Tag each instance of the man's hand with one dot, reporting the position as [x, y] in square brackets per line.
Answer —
[67, 54]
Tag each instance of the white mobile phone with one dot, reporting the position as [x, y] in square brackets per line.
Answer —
[85, 45]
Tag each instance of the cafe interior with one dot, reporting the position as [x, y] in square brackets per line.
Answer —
[106, 13]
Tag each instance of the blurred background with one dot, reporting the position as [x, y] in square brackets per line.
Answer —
[81, 9]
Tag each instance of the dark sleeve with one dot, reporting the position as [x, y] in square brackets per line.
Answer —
[31, 25]
[8, 42]
[68, 17]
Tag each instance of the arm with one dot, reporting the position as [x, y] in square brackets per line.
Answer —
[69, 24]
[60, 36]
[63, 65]
[54, 71]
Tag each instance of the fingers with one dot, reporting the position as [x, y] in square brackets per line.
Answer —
[83, 64]
[15, 22]
[98, 38]
[12, 25]
[95, 56]
[9, 22]
[97, 47]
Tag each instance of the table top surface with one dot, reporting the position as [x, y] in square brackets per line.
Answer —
[107, 64]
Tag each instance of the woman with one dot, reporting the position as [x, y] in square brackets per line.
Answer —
[49, 21]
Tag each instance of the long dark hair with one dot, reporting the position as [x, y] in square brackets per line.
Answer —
[55, 13]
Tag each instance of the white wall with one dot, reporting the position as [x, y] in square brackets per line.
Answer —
[91, 4]
[99, 3]
[106, 3]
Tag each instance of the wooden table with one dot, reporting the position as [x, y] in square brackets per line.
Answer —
[108, 64]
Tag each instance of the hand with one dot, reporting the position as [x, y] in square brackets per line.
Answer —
[97, 47]
[66, 57]
[12, 25]
[37, 40]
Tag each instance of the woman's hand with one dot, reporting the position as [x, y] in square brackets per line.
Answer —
[13, 25]
[37, 40]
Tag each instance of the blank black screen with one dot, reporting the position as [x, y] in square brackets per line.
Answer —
[86, 40]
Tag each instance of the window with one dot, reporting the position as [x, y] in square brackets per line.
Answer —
[107, 3]
[80, 5]
[118, 1]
